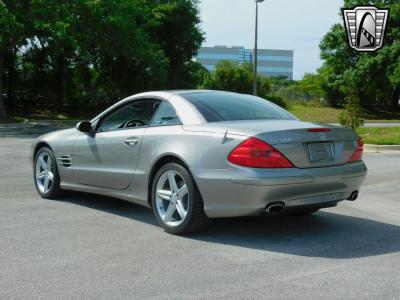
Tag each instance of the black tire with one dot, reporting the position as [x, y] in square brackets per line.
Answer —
[196, 220]
[305, 212]
[54, 190]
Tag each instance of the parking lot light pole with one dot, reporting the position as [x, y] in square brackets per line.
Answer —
[255, 51]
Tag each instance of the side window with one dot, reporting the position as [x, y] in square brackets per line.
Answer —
[136, 114]
[165, 115]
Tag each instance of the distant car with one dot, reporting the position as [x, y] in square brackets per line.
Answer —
[197, 155]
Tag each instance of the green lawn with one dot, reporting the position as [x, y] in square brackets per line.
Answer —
[380, 135]
[370, 135]
[315, 113]
[326, 114]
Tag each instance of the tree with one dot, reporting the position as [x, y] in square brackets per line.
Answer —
[310, 85]
[175, 27]
[374, 76]
[121, 54]
[10, 35]
[230, 76]
[73, 53]
[194, 74]
[233, 77]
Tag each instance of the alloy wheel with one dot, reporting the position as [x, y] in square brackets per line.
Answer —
[172, 198]
[44, 172]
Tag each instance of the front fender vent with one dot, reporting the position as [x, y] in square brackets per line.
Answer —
[65, 160]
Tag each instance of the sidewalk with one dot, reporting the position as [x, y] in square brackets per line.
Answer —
[380, 124]
[369, 148]
[33, 128]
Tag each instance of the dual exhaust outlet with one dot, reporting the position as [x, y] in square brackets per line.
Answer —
[275, 208]
[353, 196]
[278, 207]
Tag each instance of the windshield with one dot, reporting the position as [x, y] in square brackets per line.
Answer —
[223, 106]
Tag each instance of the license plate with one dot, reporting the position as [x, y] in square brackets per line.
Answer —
[320, 152]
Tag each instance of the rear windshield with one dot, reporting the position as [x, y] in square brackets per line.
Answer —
[221, 106]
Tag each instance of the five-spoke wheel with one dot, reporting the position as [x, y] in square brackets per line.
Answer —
[47, 179]
[172, 198]
[176, 201]
[44, 172]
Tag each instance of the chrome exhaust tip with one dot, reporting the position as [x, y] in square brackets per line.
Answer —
[353, 196]
[275, 208]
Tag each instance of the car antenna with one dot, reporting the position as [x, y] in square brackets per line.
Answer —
[225, 137]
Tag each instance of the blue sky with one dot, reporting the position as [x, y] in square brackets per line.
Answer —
[283, 24]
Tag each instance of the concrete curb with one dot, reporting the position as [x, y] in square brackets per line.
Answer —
[381, 148]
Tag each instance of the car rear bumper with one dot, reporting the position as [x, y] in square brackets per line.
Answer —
[245, 191]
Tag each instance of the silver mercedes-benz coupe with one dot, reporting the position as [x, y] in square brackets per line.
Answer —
[196, 155]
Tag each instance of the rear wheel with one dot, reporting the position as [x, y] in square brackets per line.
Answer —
[176, 201]
[46, 176]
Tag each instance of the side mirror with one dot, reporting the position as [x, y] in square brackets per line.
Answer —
[84, 126]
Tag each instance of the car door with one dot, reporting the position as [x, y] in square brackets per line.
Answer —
[107, 157]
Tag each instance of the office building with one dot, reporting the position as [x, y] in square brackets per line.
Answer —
[270, 62]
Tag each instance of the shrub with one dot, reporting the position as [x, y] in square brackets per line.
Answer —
[277, 100]
[352, 116]
[232, 77]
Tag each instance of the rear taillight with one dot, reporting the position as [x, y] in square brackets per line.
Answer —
[255, 153]
[357, 154]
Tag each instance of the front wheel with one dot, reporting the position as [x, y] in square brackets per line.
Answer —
[46, 176]
[176, 201]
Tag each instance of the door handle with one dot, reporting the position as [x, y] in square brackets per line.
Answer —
[132, 141]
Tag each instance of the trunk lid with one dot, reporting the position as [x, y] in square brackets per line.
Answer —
[314, 147]
[304, 148]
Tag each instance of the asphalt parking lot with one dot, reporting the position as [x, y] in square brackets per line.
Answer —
[93, 247]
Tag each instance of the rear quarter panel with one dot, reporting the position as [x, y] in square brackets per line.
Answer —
[200, 151]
